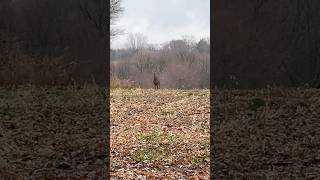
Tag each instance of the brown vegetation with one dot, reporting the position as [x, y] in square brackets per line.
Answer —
[182, 64]
[123, 84]
[43, 37]
[265, 134]
[159, 134]
[53, 133]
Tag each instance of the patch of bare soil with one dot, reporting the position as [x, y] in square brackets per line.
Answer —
[159, 134]
[266, 134]
[52, 133]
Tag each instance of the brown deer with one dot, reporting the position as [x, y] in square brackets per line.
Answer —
[156, 81]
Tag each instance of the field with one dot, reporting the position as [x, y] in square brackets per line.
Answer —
[160, 134]
[49, 133]
[52, 133]
[266, 134]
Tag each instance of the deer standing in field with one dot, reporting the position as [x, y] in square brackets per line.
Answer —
[156, 81]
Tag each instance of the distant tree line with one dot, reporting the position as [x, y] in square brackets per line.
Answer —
[54, 42]
[182, 63]
[258, 43]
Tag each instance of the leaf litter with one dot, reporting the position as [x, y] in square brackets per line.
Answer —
[52, 133]
[159, 134]
[266, 134]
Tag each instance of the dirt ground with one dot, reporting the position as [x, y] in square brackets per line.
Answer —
[266, 134]
[52, 133]
[160, 134]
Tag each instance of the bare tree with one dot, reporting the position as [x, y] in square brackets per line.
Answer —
[203, 45]
[143, 61]
[189, 40]
[96, 12]
[303, 63]
[136, 41]
[115, 11]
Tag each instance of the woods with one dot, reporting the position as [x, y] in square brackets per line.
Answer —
[67, 40]
[256, 44]
[262, 43]
[182, 63]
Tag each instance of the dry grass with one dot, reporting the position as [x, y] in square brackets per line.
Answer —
[159, 134]
[116, 83]
[266, 134]
[257, 134]
[17, 68]
[52, 133]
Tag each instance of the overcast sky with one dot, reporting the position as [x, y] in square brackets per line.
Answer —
[164, 20]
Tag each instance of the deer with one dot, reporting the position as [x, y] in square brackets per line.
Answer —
[156, 81]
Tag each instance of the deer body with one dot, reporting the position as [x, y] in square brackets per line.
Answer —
[156, 81]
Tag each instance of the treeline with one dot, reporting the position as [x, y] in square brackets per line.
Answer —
[182, 63]
[255, 43]
[56, 42]
[258, 43]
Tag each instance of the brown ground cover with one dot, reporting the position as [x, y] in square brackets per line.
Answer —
[160, 134]
[52, 133]
[266, 134]
[47, 133]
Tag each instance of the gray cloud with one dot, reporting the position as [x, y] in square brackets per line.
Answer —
[164, 20]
